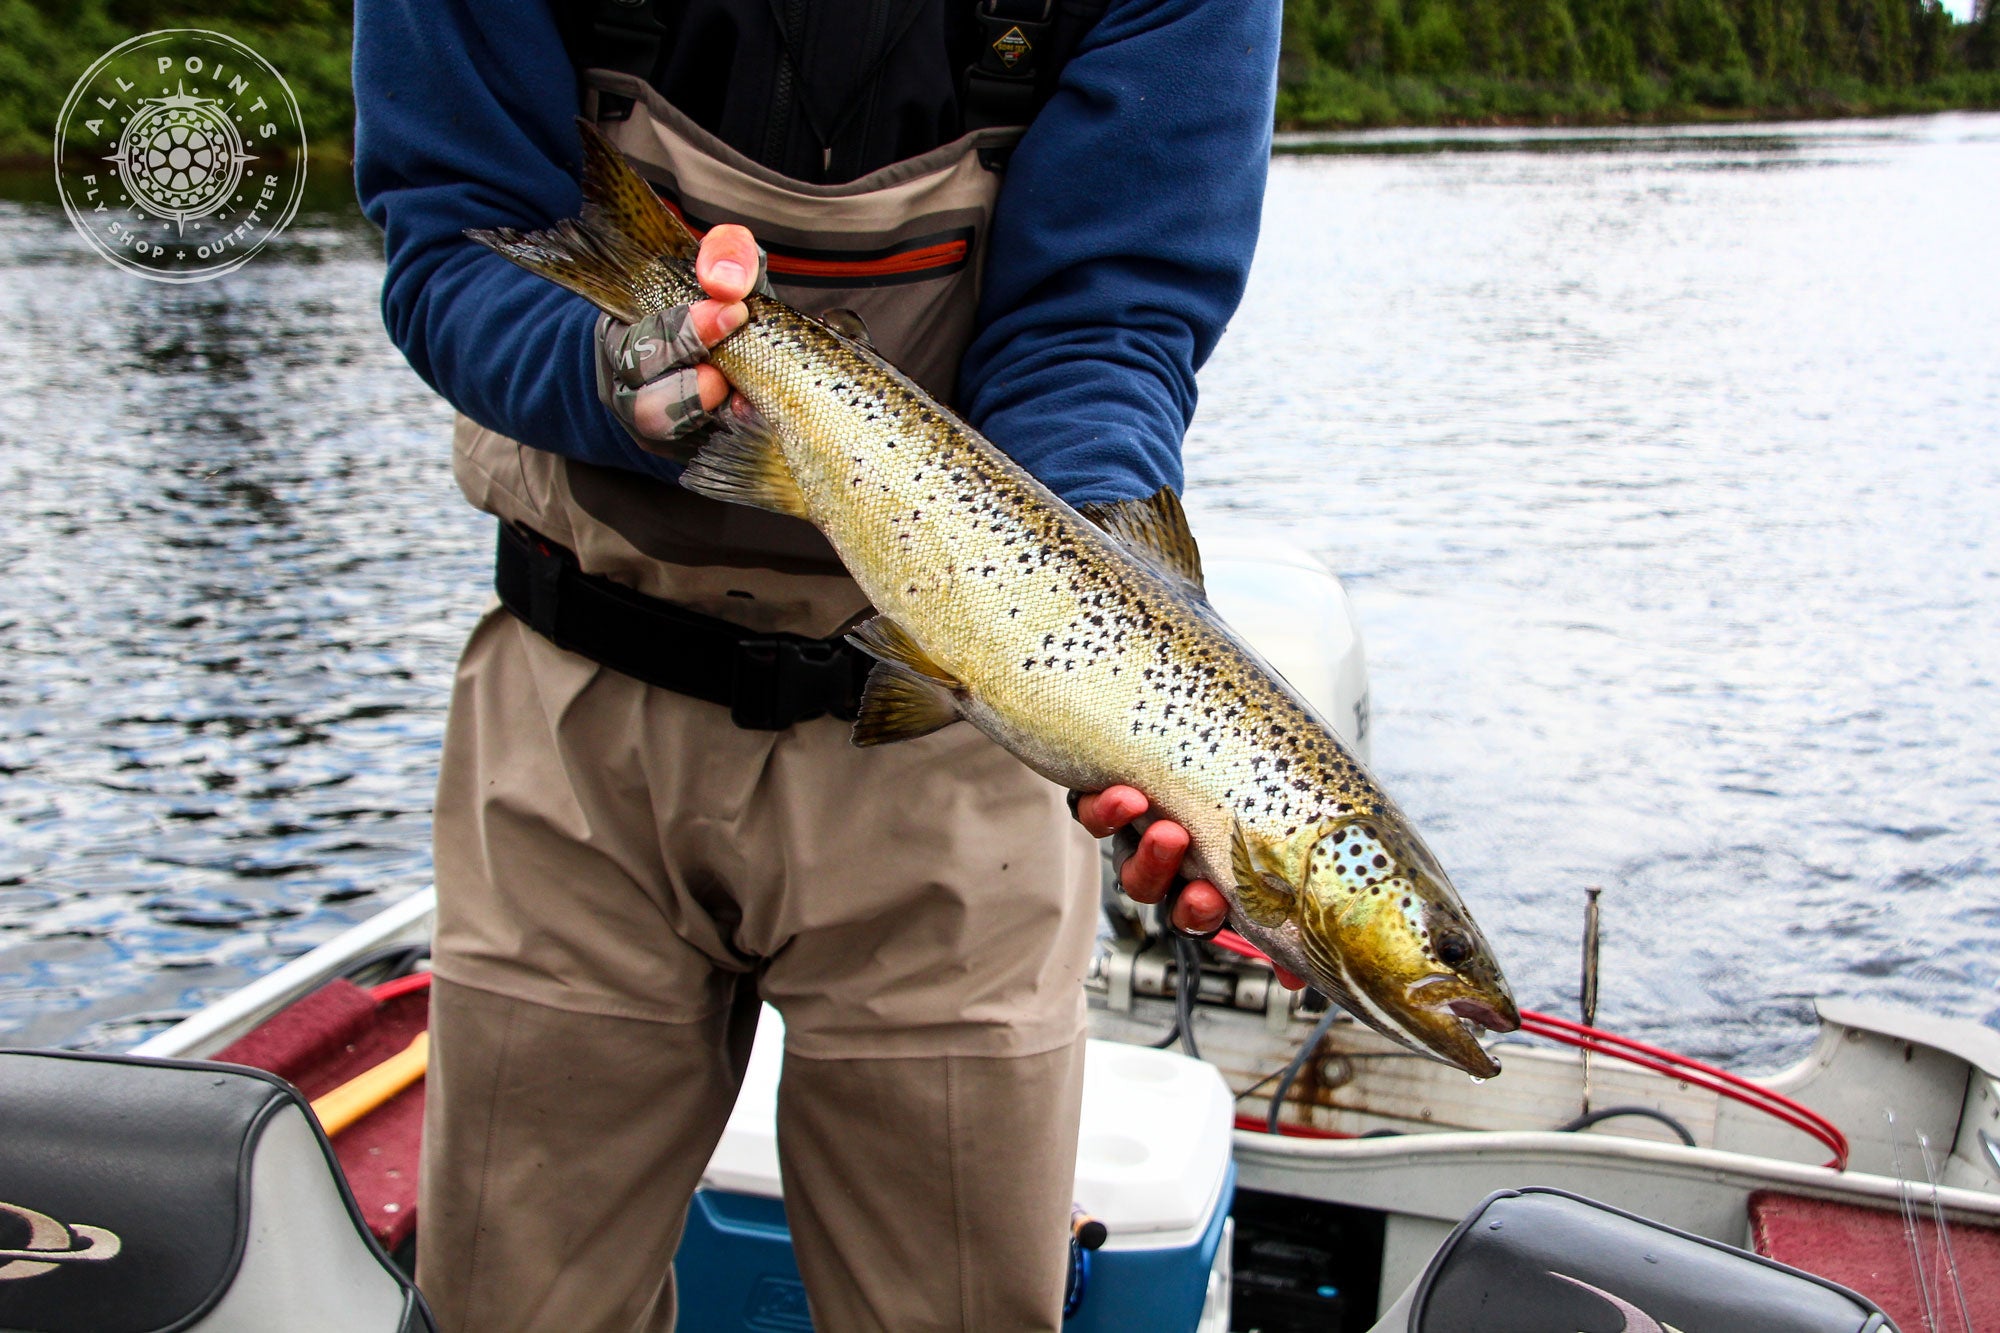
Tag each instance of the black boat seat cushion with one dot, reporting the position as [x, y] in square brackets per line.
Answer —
[141, 1196]
[1543, 1261]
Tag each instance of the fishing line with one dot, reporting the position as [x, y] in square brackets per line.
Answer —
[1905, 1200]
[1950, 1257]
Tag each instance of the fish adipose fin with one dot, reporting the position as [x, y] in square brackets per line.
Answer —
[1155, 526]
[603, 255]
[744, 464]
[1265, 898]
[897, 704]
[884, 640]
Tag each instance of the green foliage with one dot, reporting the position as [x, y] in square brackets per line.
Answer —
[46, 44]
[1387, 62]
[1345, 62]
[1981, 44]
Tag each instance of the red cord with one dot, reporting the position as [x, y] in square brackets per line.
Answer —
[1256, 1122]
[390, 990]
[1236, 944]
[1688, 1070]
[1659, 1060]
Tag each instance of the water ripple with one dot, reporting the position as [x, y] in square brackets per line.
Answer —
[1661, 466]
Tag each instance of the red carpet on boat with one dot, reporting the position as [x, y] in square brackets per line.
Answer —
[321, 1042]
[1870, 1250]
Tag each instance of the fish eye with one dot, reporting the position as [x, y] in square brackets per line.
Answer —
[1453, 947]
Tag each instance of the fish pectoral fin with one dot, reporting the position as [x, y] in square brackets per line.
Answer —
[743, 463]
[603, 255]
[886, 641]
[1155, 527]
[1264, 897]
[897, 704]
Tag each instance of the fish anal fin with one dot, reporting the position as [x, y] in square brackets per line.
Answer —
[897, 704]
[886, 641]
[1265, 897]
[744, 463]
[1157, 527]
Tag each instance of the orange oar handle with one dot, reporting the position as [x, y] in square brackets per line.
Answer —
[370, 1088]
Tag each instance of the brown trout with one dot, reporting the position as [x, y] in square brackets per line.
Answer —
[1082, 643]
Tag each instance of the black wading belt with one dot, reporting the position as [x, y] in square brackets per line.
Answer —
[768, 682]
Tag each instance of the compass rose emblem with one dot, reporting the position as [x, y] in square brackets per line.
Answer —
[180, 154]
[181, 157]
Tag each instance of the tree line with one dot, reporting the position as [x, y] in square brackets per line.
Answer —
[1345, 62]
[1378, 61]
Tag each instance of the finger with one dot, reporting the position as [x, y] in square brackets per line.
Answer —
[714, 320]
[1104, 813]
[655, 411]
[727, 263]
[1289, 979]
[714, 387]
[1200, 909]
[662, 411]
[1153, 866]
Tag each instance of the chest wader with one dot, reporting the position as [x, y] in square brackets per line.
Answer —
[754, 599]
[625, 871]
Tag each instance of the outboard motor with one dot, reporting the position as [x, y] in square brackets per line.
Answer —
[140, 1195]
[1533, 1260]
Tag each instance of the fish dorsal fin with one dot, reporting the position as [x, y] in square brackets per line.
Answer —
[744, 464]
[1155, 526]
[603, 255]
[897, 704]
[883, 639]
[1264, 897]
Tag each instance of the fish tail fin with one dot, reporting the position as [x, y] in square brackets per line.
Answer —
[603, 255]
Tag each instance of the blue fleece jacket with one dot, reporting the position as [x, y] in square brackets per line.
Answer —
[1120, 244]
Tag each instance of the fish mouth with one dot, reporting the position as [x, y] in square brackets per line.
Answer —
[1485, 1015]
[1450, 1028]
[1455, 1041]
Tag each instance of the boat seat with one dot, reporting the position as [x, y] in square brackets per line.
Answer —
[1532, 1260]
[140, 1195]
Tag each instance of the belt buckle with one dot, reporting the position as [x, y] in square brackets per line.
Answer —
[780, 681]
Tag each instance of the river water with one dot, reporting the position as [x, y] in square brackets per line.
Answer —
[1663, 468]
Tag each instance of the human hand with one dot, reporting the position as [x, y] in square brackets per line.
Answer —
[1155, 863]
[654, 375]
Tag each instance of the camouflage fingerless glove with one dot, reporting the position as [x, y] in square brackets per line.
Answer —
[661, 349]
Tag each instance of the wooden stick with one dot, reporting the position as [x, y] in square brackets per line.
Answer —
[369, 1089]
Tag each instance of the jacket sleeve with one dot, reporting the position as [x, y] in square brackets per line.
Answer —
[464, 117]
[1122, 242]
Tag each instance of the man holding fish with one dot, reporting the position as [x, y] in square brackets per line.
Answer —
[650, 817]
